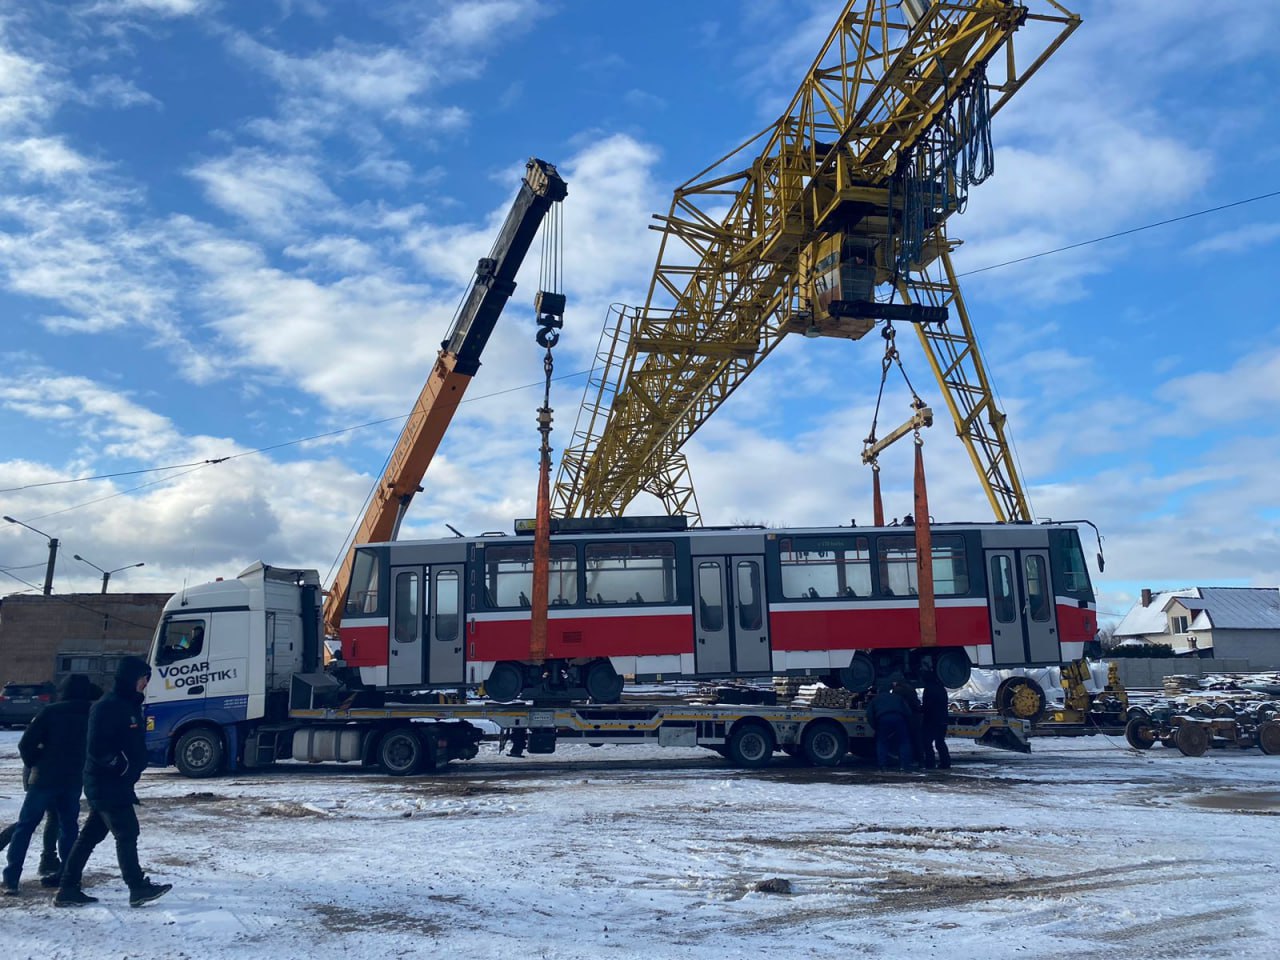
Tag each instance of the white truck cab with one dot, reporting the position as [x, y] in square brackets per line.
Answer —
[223, 656]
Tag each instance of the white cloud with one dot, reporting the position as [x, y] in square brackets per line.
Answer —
[44, 158]
[275, 194]
[1239, 240]
[116, 91]
[159, 8]
[474, 22]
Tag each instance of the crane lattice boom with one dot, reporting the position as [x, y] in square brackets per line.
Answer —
[849, 191]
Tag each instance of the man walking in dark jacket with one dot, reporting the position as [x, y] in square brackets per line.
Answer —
[936, 718]
[115, 758]
[53, 749]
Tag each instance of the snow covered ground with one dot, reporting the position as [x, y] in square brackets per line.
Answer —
[1084, 849]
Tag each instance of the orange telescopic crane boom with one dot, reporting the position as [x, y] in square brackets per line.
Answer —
[456, 364]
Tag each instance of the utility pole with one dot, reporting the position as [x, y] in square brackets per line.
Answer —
[53, 554]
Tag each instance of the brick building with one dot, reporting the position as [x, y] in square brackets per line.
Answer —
[45, 638]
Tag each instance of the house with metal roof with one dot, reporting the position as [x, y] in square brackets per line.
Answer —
[1220, 622]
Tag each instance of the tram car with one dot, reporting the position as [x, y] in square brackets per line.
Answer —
[653, 600]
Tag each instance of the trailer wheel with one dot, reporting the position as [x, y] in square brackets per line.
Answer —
[401, 753]
[603, 683]
[750, 744]
[1140, 734]
[199, 753]
[1269, 737]
[824, 743]
[1192, 739]
[506, 681]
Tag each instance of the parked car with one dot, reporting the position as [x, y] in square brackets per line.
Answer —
[20, 702]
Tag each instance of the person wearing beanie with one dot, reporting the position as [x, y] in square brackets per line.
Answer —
[115, 757]
[52, 749]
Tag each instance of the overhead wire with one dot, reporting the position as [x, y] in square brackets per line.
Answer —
[1121, 233]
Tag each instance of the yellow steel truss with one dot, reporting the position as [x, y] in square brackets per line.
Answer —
[729, 285]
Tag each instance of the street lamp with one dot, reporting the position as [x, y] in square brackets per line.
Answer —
[106, 574]
[53, 553]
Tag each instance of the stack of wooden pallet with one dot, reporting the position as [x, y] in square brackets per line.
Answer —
[1179, 684]
[820, 695]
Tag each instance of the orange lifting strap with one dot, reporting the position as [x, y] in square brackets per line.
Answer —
[924, 555]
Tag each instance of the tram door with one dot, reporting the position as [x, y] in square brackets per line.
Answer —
[426, 626]
[731, 625]
[446, 660]
[1024, 620]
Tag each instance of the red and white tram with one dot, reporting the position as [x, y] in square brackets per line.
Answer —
[646, 598]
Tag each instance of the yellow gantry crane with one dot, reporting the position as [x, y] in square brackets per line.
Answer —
[836, 220]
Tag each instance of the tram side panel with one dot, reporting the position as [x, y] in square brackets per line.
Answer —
[840, 604]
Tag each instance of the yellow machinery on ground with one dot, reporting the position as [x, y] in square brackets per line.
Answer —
[1082, 712]
[826, 223]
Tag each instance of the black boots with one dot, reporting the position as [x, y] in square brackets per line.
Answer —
[147, 891]
[72, 897]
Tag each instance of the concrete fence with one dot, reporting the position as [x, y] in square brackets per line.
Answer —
[1139, 673]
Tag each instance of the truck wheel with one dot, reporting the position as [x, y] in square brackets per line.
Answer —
[505, 682]
[401, 753]
[199, 753]
[603, 683]
[750, 745]
[824, 743]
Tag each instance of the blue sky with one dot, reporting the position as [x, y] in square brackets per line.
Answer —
[225, 226]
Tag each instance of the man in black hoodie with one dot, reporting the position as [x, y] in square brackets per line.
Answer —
[53, 749]
[115, 757]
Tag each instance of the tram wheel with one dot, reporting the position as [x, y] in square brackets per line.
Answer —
[860, 675]
[1191, 739]
[1269, 737]
[953, 668]
[603, 683]
[1140, 733]
[1020, 698]
[506, 681]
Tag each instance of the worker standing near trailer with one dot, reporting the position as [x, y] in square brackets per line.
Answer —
[936, 713]
[888, 715]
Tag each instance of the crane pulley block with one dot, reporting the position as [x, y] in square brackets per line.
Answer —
[549, 304]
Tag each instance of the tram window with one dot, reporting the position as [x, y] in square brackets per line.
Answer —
[509, 575]
[950, 567]
[446, 606]
[816, 567]
[1037, 587]
[749, 612]
[1002, 602]
[406, 602]
[1068, 563]
[362, 595]
[898, 566]
[710, 599]
[631, 573]
[898, 573]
